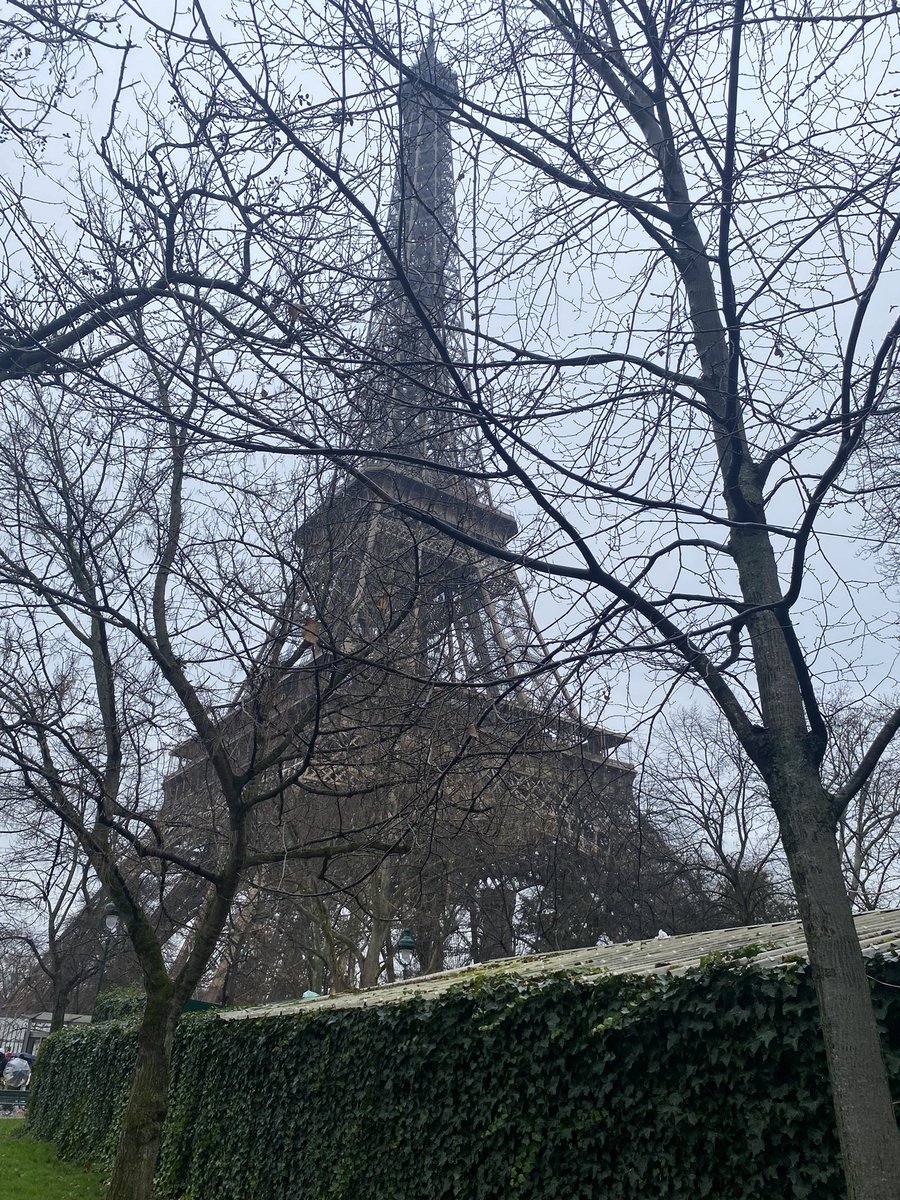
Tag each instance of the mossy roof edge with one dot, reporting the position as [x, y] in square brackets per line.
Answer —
[773, 945]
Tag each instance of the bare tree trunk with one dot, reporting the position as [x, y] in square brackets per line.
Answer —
[141, 1136]
[60, 1000]
[370, 968]
[866, 1124]
[789, 757]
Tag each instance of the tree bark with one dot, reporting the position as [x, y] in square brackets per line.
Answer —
[788, 756]
[141, 1136]
[58, 1014]
[370, 968]
[867, 1128]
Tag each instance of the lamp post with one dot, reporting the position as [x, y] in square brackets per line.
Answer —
[110, 920]
[406, 950]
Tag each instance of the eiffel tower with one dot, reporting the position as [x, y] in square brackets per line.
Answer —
[420, 454]
[450, 730]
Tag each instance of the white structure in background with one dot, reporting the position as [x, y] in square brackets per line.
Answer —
[27, 1031]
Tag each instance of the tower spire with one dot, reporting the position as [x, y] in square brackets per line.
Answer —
[413, 406]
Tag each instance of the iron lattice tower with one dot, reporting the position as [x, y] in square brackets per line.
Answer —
[449, 728]
[473, 617]
[418, 308]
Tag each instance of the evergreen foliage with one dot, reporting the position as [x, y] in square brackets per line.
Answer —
[711, 1083]
[119, 1004]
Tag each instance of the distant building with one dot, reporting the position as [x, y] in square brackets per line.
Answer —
[27, 1030]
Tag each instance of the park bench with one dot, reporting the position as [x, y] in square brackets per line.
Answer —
[13, 1097]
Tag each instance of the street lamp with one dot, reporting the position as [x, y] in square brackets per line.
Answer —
[110, 920]
[406, 950]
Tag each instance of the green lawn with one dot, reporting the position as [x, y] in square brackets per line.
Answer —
[30, 1170]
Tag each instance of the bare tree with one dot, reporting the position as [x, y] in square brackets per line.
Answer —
[702, 789]
[48, 52]
[730, 227]
[45, 887]
[164, 587]
[705, 793]
[679, 232]
[144, 580]
[869, 828]
[16, 965]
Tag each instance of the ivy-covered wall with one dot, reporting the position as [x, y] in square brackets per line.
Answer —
[125, 1003]
[128, 1004]
[668, 1088]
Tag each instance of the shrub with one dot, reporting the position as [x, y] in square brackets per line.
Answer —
[119, 1004]
[710, 1083]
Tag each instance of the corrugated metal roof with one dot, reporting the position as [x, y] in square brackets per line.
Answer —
[879, 933]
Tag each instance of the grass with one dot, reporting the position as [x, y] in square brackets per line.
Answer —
[30, 1170]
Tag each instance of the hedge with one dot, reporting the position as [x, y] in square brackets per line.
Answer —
[128, 1003]
[125, 1003]
[710, 1083]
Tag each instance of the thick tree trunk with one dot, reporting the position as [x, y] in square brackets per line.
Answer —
[788, 756]
[370, 968]
[867, 1127]
[866, 1123]
[788, 749]
[383, 910]
[139, 1142]
[60, 1000]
